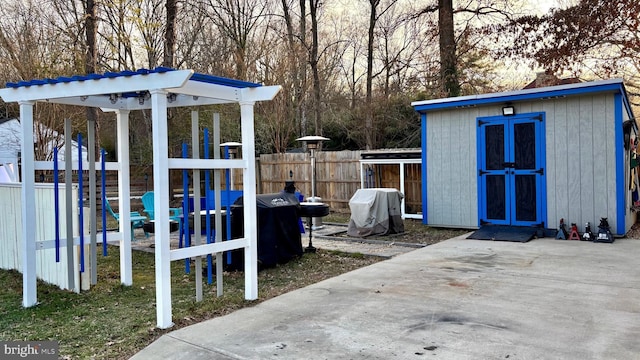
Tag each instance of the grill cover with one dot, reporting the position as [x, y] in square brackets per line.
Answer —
[279, 237]
[375, 211]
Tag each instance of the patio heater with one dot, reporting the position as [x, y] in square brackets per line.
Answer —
[312, 208]
[233, 150]
[312, 142]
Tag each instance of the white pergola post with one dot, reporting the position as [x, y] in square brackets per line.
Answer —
[197, 238]
[217, 202]
[402, 202]
[69, 205]
[250, 211]
[91, 148]
[161, 203]
[29, 285]
[124, 204]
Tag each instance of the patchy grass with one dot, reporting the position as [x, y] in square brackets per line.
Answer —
[414, 231]
[112, 321]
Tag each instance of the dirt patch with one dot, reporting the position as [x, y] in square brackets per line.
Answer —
[415, 232]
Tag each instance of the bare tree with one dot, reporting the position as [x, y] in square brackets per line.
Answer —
[475, 14]
[368, 122]
[297, 64]
[91, 64]
[374, 15]
[596, 38]
[170, 34]
[314, 6]
[31, 48]
[237, 20]
[448, 67]
[149, 23]
[191, 30]
[349, 69]
[116, 32]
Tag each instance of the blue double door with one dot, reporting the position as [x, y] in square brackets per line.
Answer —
[511, 170]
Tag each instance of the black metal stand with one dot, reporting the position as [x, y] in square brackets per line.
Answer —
[310, 248]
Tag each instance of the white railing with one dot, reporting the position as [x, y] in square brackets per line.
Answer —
[47, 268]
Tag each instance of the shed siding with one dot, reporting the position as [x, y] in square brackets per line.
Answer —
[451, 161]
[580, 161]
[588, 106]
[580, 158]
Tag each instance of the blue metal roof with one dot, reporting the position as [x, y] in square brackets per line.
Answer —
[210, 79]
[217, 80]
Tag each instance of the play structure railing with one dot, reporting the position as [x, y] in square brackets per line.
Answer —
[61, 227]
[54, 265]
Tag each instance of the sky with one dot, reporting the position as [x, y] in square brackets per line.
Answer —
[544, 5]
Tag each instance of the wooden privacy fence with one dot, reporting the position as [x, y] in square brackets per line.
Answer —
[337, 178]
[337, 174]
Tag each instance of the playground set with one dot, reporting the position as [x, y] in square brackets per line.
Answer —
[123, 92]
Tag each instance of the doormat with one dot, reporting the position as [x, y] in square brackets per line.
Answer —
[504, 233]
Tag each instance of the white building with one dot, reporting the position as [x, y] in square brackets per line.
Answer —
[11, 140]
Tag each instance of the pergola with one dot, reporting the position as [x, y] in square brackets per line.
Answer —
[123, 92]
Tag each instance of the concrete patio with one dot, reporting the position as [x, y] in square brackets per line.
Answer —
[458, 299]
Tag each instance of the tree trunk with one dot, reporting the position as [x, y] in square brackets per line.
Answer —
[169, 61]
[448, 70]
[313, 61]
[297, 64]
[368, 121]
[303, 73]
[91, 63]
[170, 34]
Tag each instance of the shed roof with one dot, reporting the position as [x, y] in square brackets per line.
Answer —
[544, 93]
[391, 154]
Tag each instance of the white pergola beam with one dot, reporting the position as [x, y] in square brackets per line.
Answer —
[203, 89]
[97, 101]
[48, 165]
[113, 238]
[262, 93]
[116, 85]
[206, 249]
[203, 164]
[104, 102]
[190, 100]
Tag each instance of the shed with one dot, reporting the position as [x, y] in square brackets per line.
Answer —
[530, 157]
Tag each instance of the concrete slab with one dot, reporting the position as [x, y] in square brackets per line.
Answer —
[458, 299]
[322, 238]
[382, 250]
